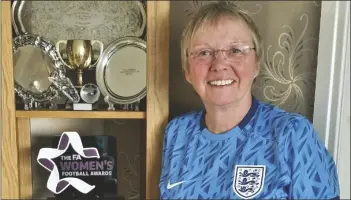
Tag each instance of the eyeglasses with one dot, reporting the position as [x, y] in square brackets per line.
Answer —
[206, 56]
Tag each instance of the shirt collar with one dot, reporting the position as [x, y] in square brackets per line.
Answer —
[249, 115]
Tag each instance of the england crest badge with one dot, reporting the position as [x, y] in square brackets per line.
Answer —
[248, 180]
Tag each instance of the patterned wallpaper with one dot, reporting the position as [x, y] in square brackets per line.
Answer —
[289, 30]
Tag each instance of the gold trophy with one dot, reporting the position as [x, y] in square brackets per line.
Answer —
[79, 56]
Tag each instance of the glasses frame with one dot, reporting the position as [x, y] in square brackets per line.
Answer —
[244, 49]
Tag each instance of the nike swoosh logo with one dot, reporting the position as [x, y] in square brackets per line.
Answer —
[170, 186]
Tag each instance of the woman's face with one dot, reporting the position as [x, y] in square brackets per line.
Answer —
[222, 78]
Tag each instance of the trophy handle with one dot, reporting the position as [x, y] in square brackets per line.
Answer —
[58, 50]
[101, 50]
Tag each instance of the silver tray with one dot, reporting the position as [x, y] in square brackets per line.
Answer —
[91, 20]
[121, 71]
[38, 73]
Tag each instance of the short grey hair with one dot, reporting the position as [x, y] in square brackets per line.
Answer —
[212, 12]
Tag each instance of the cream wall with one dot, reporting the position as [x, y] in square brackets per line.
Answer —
[332, 96]
[343, 160]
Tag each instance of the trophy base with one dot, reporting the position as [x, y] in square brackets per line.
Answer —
[82, 106]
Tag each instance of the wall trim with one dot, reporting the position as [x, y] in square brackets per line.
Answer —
[332, 54]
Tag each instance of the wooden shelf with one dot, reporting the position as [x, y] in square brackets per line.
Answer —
[82, 114]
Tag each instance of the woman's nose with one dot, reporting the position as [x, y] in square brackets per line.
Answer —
[219, 63]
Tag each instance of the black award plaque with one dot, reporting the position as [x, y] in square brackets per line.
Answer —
[82, 167]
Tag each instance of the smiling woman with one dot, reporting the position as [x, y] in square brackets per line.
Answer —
[238, 146]
[208, 71]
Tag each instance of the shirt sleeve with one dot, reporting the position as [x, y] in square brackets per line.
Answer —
[312, 169]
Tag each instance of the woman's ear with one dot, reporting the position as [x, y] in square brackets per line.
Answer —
[187, 76]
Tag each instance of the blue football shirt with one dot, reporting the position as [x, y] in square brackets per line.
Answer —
[270, 154]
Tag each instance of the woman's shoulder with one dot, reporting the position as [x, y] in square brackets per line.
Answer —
[279, 115]
[185, 119]
[279, 121]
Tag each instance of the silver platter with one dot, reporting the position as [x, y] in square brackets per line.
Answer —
[38, 73]
[92, 20]
[121, 71]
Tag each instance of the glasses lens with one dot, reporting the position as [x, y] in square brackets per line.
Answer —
[203, 60]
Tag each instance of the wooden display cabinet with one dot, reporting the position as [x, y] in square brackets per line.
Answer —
[16, 167]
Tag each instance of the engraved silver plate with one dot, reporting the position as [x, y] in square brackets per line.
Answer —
[35, 60]
[91, 20]
[121, 71]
